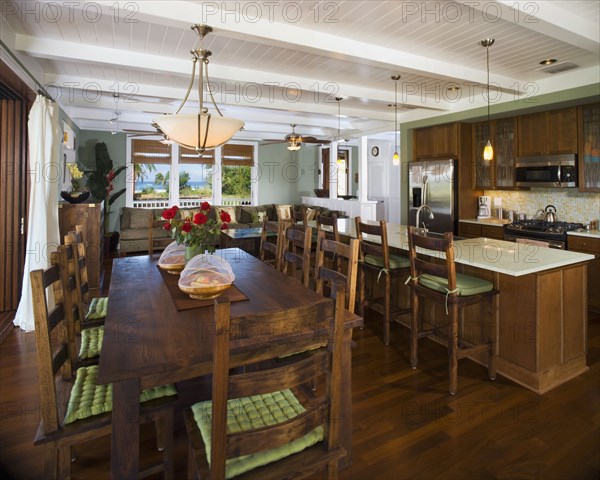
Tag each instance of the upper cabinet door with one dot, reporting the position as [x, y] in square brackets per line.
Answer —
[532, 134]
[440, 141]
[562, 131]
[589, 148]
[423, 143]
[446, 140]
[548, 133]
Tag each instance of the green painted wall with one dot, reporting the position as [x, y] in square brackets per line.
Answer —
[284, 176]
[116, 144]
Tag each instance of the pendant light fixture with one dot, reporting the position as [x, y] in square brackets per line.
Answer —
[199, 131]
[488, 151]
[396, 157]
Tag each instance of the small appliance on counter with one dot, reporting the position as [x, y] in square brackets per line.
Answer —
[485, 207]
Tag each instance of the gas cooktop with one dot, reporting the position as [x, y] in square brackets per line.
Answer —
[543, 227]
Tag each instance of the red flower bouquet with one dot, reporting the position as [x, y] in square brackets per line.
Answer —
[196, 231]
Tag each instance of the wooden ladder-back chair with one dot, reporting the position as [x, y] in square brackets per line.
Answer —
[295, 256]
[375, 257]
[270, 424]
[86, 413]
[92, 310]
[331, 277]
[90, 337]
[270, 252]
[430, 279]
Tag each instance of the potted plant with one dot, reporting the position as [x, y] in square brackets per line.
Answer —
[101, 184]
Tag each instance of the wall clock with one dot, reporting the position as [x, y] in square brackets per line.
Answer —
[375, 151]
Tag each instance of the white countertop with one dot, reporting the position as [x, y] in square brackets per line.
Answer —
[585, 233]
[487, 221]
[509, 258]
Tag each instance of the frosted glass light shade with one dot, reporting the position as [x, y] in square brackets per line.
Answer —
[293, 146]
[183, 129]
[396, 159]
[488, 151]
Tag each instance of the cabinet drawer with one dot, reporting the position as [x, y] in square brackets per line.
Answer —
[469, 229]
[492, 231]
[584, 244]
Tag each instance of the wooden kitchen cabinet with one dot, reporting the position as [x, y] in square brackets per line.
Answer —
[439, 141]
[589, 148]
[498, 173]
[91, 217]
[547, 133]
[469, 230]
[592, 246]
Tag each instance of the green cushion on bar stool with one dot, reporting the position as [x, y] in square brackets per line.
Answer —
[254, 412]
[88, 398]
[396, 261]
[466, 284]
[91, 342]
[97, 308]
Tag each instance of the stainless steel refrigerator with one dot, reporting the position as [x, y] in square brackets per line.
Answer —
[433, 182]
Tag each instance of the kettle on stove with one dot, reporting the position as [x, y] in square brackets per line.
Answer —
[550, 214]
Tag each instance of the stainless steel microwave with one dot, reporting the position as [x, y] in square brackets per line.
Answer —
[558, 171]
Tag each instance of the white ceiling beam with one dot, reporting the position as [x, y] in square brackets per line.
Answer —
[267, 31]
[75, 85]
[269, 81]
[548, 18]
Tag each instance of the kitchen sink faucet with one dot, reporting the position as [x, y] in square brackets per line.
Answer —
[430, 217]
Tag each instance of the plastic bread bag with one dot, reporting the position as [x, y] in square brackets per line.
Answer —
[206, 271]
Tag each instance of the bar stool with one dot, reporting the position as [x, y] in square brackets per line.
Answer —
[440, 282]
[375, 257]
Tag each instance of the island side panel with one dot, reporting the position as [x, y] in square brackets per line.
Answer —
[575, 312]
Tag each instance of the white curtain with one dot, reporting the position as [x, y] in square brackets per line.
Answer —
[44, 173]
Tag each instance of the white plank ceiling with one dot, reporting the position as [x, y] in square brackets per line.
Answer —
[278, 63]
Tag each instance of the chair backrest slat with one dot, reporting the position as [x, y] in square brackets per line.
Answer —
[330, 222]
[274, 249]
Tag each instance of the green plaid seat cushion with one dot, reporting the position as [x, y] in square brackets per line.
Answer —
[97, 308]
[396, 261]
[257, 411]
[466, 284]
[91, 342]
[88, 398]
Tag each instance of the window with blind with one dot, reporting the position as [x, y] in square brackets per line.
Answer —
[195, 174]
[151, 161]
[236, 164]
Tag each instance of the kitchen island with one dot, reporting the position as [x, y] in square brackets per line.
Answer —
[540, 319]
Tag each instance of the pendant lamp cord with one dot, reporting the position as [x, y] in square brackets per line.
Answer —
[487, 50]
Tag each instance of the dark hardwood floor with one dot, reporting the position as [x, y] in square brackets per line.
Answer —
[406, 426]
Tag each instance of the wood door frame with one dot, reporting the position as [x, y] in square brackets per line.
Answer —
[16, 99]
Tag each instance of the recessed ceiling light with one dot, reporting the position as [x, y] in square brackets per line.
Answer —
[548, 61]
[453, 88]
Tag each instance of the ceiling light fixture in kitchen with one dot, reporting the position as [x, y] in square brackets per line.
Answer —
[548, 61]
[396, 157]
[199, 131]
[488, 151]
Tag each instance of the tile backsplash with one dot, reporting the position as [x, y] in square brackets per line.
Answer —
[571, 204]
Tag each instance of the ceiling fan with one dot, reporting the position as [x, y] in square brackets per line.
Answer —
[144, 133]
[296, 140]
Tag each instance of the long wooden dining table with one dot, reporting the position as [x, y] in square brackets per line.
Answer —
[149, 342]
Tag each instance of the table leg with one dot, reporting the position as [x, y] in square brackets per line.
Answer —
[346, 400]
[125, 442]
